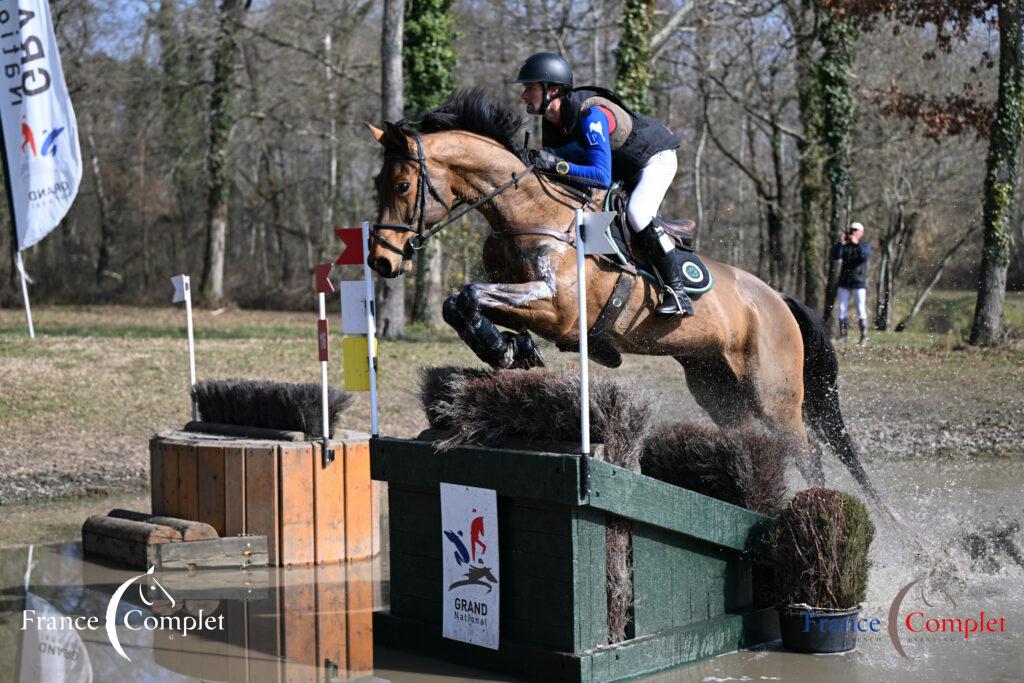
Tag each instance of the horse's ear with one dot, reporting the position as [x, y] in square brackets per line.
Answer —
[396, 139]
[377, 133]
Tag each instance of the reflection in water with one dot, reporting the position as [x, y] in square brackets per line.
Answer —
[308, 624]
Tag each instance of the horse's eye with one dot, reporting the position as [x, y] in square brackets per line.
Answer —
[402, 188]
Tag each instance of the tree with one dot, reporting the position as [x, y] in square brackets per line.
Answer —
[837, 33]
[429, 61]
[391, 311]
[632, 58]
[222, 120]
[1001, 177]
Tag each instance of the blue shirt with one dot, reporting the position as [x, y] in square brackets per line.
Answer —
[590, 153]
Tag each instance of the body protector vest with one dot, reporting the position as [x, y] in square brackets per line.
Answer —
[634, 141]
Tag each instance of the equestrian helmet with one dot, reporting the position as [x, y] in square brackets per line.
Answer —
[545, 67]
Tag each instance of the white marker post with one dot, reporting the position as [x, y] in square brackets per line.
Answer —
[590, 239]
[183, 292]
[322, 280]
[371, 330]
[581, 294]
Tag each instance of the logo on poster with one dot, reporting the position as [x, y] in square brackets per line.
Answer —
[477, 574]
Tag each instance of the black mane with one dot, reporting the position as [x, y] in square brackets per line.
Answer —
[473, 110]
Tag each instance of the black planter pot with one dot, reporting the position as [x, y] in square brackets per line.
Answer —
[818, 630]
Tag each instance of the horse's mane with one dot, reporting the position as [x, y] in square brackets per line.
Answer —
[475, 111]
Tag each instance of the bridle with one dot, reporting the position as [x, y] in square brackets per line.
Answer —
[423, 186]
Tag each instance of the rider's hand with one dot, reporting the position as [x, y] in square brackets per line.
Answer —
[842, 238]
[545, 161]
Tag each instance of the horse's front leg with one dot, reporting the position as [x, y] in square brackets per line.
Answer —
[515, 304]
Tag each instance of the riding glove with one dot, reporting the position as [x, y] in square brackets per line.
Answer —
[545, 161]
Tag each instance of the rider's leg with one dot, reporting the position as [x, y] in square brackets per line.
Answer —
[644, 201]
[862, 313]
[844, 311]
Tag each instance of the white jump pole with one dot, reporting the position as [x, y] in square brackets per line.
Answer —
[581, 293]
[371, 330]
[24, 293]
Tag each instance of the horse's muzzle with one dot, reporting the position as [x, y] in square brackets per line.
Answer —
[382, 266]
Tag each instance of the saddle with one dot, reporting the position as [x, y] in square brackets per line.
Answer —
[682, 232]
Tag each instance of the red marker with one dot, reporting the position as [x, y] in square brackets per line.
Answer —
[353, 254]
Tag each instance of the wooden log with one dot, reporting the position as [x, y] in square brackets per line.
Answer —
[123, 540]
[189, 530]
[130, 530]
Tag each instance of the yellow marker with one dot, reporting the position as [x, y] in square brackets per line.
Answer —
[357, 369]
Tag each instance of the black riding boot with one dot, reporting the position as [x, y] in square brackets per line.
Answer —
[863, 324]
[659, 250]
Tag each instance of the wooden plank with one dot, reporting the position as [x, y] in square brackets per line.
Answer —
[329, 499]
[236, 551]
[264, 633]
[519, 474]
[170, 483]
[358, 502]
[359, 626]
[589, 593]
[156, 475]
[234, 490]
[332, 641]
[188, 482]
[298, 632]
[654, 502]
[211, 486]
[296, 515]
[261, 497]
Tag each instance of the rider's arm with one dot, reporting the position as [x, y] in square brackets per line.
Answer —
[590, 156]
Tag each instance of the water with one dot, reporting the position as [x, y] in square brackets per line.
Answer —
[315, 623]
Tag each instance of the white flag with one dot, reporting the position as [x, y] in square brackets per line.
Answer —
[181, 288]
[43, 158]
[595, 237]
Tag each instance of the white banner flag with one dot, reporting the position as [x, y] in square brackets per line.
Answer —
[469, 542]
[40, 132]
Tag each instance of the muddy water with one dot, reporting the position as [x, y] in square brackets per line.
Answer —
[315, 623]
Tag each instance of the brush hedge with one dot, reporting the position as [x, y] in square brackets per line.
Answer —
[271, 405]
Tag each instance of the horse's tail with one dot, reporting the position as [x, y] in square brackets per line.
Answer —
[821, 394]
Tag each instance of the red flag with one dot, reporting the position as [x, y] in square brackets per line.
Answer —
[322, 339]
[352, 238]
[322, 279]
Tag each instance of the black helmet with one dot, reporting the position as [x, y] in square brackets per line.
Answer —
[548, 69]
[545, 67]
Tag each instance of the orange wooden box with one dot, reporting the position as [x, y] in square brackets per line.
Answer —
[309, 514]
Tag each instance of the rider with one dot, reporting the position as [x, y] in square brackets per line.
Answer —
[596, 139]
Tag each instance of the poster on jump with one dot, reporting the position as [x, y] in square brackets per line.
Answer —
[469, 552]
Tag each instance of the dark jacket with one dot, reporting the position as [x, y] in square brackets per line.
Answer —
[854, 272]
[634, 141]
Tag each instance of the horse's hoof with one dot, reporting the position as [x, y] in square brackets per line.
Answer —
[527, 355]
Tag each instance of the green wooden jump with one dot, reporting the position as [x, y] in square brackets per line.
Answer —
[691, 579]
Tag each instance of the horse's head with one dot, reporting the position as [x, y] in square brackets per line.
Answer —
[410, 199]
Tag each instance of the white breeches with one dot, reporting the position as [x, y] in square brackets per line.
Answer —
[844, 302]
[655, 179]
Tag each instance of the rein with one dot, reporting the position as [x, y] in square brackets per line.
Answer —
[418, 241]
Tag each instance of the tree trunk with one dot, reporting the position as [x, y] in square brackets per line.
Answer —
[391, 293]
[221, 122]
[1001, 177]
[428, 298]
[837, 36]
[809, 179]
[103, 208]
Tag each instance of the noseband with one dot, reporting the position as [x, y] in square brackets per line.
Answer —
[422, 233]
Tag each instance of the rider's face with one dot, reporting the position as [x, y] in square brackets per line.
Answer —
[532, 95]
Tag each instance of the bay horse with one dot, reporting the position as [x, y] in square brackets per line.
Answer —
[750, 354]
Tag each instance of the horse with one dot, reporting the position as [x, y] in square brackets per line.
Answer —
[751, 355]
